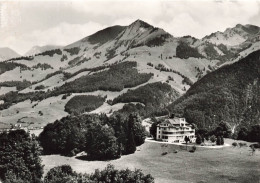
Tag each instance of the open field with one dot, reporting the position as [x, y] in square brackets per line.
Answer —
[227, 164]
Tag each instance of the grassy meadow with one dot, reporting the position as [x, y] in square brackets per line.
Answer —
[222, 165]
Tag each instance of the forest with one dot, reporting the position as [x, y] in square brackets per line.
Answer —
[116, 78]
[20, 162]
[229, 94]
[100, 136]
[153, 99]
[185, 51]
[83, 103]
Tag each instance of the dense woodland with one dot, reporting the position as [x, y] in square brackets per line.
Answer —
[101, 137]
[20, 163]
[20, 85]
[50, 53]
[153, 99]
[229, 94]
[19, 158]
[65, 174]
[83, 103]
[116, 78]
[7, 66]
[185, 51]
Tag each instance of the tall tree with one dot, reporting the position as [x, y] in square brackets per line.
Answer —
[130, 145]
[19, 157]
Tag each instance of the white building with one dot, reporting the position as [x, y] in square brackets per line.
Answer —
[174, 130]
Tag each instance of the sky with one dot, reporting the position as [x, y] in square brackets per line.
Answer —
[24, 24]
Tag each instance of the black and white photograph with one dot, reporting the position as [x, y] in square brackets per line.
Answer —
[129, 91]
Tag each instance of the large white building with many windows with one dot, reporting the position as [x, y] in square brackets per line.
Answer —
[174, 130]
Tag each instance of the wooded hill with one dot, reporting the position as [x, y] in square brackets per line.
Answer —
[230, 94]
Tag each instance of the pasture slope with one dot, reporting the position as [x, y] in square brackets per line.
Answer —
[205, 165]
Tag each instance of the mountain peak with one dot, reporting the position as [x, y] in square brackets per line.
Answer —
[7, 53]
[239, 26]
[140, 23]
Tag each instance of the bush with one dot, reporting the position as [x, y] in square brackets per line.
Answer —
[213, 138]
[39, 87]
[234, 144]
[255, 145]
[193, 149]
[198, 139]
[164, 153]
[218, 142]
[221, 140]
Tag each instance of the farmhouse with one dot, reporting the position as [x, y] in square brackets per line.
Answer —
[174, 130]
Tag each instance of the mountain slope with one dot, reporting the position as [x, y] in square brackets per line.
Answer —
[7, 53]
[99, 64]
[234, 36]
[231, 94]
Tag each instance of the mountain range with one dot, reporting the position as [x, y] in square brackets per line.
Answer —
[7, 53]
[120, 64]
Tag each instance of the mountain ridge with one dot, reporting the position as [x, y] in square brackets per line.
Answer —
[7, 53]
[158, 57]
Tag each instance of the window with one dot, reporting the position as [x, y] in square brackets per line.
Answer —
[158, 136]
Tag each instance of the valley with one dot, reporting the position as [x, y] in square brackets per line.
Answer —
[85, 103]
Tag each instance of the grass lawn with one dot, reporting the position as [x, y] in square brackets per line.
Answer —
[227, 164]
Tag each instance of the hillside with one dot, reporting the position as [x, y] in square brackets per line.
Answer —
[7, 53]
[229, 94]
[35, 89]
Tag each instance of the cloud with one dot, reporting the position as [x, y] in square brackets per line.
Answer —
[62, 34]
[70, 21]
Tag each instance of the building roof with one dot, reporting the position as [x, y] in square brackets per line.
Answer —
[175, 122]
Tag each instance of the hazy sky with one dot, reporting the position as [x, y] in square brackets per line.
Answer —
[24, 24]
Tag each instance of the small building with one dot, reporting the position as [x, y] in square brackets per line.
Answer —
[174, 130]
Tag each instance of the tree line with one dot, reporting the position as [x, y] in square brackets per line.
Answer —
[20, 163]
[101, 137]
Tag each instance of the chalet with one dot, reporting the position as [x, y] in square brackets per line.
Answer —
[174, 130]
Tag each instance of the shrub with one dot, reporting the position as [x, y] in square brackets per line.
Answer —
[42, 66]
[198, 139]
[218, 142]
[149, 64]
[64, 57]
[213, 138]
[164, 153]
[39, 87]
[193, 149]
[234, 144]
[221, 140]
